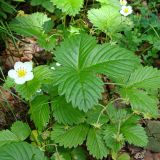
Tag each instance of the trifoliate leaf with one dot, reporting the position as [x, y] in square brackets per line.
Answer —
[7, 137]
[146, 77]
[69, 136]
[64, 112]
[81, 59]
[135, 135]
[21, 130]
[21, 151]
[70, 7]
[95, 144]
[40, 112]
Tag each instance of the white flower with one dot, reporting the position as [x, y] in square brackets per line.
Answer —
[22, 72]
[58, 64]
[39, 91]
[53, 68]
[126, 10]
[123, 2]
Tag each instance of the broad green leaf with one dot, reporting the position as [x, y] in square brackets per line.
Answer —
[7, 137]
[31, 25]
[40, 111]
[81, 60]
[141, 102]
[44, 74]
[110, 138]
[135, 135]
[21, 151]
[70, 7]
[107, 18]
[29, 89]
[69, 136]
[82, 89]
[146, 77]
[21, 130]
[95, 144]
[64, 112]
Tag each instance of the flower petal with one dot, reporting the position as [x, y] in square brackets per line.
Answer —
[29, 76]
[20, 80]
[18, 65]
[28, 66]
[12, 74]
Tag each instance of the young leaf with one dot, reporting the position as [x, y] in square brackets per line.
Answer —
[21, 130]
[135, 135]
[110, 140]
[70, 7]
[95, 144]
[64, 112]
[7, 137]
[81, 60]
[21, 151]
[107, 18]
[146, 77]
[40, 112]
[69, 136]
[142, 102]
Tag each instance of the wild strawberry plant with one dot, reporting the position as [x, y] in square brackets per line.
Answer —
[64, 96]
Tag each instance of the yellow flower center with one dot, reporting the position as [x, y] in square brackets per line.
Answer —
[21, 72]
[126, 10]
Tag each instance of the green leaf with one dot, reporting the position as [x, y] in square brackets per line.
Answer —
[93, 116]
[21, 130]
[69, 136]
[40, 112]
[81, 60]
[110, 2]
[29, 89]
[78, 154]
[146, 77]
[107, 18]
[44, 3]
[21, 151]
[31, 25]
[82, 89]
[44, 74]
[7, 137]
[135, 135]
[142, 102]
[64, 112]
[110, 140]
[70, 7]
[95, 144]
[124, 156]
